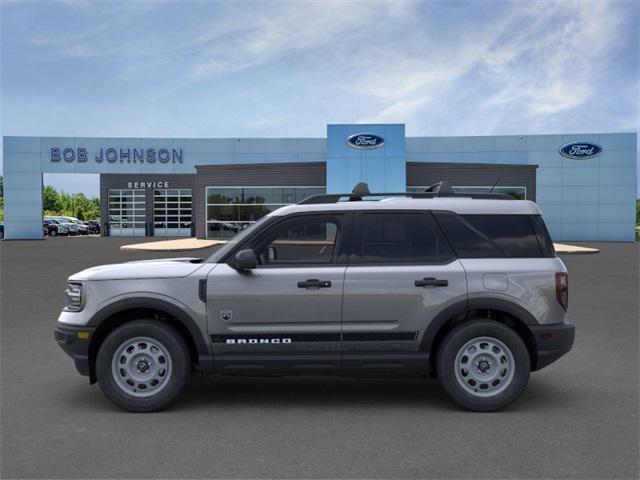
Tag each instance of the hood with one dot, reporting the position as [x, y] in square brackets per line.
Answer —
[161, 268]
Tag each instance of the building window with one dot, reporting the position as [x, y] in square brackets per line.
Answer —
[519, 193]
[231, 209]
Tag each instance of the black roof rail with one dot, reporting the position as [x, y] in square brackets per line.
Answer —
[437, 190]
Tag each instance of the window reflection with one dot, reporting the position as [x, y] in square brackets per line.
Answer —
[231, 209]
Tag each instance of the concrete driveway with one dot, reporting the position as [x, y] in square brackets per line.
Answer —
[577, 419]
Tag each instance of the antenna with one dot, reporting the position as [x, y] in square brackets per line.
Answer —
[494, 185]
[441, 188]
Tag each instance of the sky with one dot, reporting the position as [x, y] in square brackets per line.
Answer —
[287, 69]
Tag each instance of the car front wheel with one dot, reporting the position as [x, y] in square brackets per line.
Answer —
[143, 365]
[483, 365]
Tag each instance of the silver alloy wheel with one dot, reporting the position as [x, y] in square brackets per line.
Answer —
[141, 366]
[484, 366]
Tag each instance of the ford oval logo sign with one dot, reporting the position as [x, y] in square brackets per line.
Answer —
[365, 141]
[580, 150]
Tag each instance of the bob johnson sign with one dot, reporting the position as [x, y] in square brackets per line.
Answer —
[117, 155]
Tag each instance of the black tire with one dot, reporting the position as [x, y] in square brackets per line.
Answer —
[180, 359]
[452, 344]
[53, 233]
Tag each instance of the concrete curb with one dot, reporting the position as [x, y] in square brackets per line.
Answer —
[564, 249]
[173, 245]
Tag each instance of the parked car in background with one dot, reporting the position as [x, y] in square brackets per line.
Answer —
[93, 226]
[82, 228]
[1, 230]
[55, 227]
[71, 227]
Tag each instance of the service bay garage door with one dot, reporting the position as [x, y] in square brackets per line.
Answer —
[127, 212]
[172, 214]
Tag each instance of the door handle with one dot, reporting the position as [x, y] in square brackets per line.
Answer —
[314, 283]
[431, 282]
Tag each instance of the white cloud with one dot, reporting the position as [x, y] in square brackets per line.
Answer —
[398, 111]
[537, 59]
[285, 29]
[547, 67]
[373, 61]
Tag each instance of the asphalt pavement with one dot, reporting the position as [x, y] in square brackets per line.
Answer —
[578, 418]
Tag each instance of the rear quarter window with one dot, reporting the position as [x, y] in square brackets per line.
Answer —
[514, 234]
[465, 239]
[544, 239]
[491, 236]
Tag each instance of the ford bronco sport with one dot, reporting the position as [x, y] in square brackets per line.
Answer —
[463, 287]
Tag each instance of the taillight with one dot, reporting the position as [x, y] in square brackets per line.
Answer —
[562, 289]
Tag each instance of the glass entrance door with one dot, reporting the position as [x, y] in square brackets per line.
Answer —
[172, 212]
[126, 213]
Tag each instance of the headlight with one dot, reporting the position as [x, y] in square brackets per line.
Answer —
[74, 297]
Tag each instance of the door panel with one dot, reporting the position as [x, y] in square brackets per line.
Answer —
[262, 322]
[285, 315]
[385, 315]
[401, 274]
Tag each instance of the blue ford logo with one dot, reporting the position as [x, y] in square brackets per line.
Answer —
[365, 141]
[580, 150]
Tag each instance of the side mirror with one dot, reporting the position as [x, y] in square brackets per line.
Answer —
[245, 260]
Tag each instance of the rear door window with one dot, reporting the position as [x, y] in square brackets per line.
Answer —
[399, 238]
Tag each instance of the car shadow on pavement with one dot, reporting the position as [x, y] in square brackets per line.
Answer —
[211, 392]
[346, 392]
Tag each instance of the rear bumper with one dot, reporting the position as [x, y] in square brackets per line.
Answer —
[77, 348]
[552, 342]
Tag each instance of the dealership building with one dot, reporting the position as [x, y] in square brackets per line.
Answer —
[585, 184]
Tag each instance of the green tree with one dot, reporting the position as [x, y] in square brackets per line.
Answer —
[78, 205]
[50, 199]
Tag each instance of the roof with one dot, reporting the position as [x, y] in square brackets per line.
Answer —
[462, 205]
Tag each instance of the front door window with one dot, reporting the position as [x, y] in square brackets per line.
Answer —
[300, 242]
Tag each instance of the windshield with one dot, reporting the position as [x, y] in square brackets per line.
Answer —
[226, 248]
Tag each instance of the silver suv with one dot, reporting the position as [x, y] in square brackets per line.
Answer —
[463, 287]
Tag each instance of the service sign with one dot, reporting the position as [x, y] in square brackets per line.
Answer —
[580, 150]
[148, 184]
[365, 141]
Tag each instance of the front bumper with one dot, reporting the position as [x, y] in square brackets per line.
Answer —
[75, 343]
[552, 342]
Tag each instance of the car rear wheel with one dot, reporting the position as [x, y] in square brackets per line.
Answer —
[143, 365]
[53, 233]
[483, 365]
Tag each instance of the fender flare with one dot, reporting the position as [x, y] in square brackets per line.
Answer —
[202, 348]
[464, 307]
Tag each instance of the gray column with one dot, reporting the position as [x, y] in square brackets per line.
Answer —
[22, 174]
